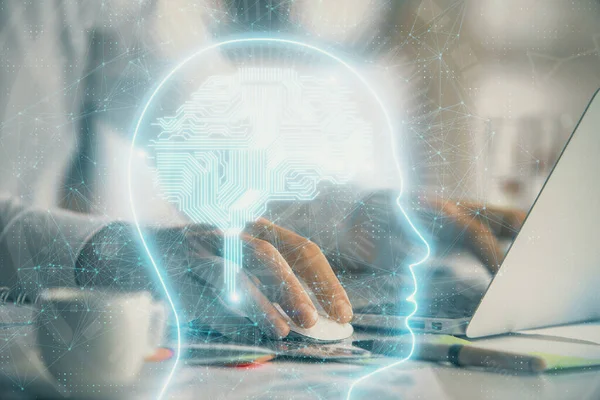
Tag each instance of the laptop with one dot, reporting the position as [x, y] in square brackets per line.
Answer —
[551, 272]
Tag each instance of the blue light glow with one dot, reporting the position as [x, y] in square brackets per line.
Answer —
[234, 259]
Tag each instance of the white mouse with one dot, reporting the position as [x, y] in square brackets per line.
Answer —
[325, 330]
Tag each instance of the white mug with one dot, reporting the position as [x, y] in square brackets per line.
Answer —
[97, 338]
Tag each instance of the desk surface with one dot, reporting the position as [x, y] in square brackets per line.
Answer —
[331, 381]
[303, 380]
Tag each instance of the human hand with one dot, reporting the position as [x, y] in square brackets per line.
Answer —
[377, 239]
[275, 260]
[480, 225]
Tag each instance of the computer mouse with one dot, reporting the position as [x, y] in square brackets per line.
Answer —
[325, 330]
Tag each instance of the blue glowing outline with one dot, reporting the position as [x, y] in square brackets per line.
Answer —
[410, 298]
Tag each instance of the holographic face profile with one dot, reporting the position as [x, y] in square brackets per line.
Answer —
[248, 121]
[256, 135]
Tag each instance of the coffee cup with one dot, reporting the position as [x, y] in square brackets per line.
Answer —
[91, 338]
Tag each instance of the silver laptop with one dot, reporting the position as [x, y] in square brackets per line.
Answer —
[551, 273]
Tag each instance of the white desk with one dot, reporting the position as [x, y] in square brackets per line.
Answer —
[303, 380]
[331, 381]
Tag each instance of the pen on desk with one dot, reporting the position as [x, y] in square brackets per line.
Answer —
[458, 354]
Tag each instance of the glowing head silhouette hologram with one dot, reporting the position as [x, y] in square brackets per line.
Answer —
[247, 121]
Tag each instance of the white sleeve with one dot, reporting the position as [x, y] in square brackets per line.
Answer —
[39, 248]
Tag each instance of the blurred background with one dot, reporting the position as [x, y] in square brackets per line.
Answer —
[510, 83]
[486, 92]
[490, 89]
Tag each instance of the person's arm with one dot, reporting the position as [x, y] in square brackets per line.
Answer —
[365, 231]
[39, 248]
[356, 229]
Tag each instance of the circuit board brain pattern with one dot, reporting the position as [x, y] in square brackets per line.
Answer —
[260, 134]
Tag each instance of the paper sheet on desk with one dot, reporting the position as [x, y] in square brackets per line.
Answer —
[586, 332]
